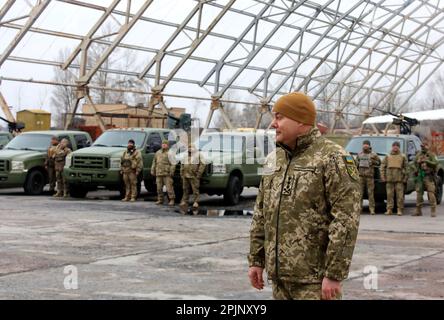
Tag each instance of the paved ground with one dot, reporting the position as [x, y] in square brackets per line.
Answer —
[126, 251]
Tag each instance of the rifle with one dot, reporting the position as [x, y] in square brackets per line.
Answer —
[405, 123]
[14, 126]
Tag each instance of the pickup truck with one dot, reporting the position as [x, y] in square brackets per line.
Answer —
[382, 144]
[5, 137]
[99, 165]
[234, 161]
[22, 161]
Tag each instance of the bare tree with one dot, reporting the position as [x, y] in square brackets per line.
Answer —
[62, 97]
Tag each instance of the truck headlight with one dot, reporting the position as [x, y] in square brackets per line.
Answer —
[114, 163]
[17, 166]
[68, 161]
[219, 168]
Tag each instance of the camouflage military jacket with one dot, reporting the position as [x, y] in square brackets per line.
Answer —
[161, 166]
[59, 157]
[193, 167]
[307, 211]
[426, 162]
[394, 168]
[366, 163]
[131, 162]
[50, 156]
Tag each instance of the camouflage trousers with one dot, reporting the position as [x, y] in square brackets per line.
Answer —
[283, 290]
[428, 184]
[130, 181]
[369, 184]
[62, 185]
[187, 185]
[165, 181]
[395, 188]
[52, 178]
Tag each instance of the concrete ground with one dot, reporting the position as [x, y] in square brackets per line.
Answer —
[137, 250]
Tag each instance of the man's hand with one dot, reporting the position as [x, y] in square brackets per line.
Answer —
[256, 278]
[330, 289]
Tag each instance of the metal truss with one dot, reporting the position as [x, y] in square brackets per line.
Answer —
[349, 56]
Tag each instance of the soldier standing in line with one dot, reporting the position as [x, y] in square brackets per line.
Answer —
[425, 172]
[366, 163]
[394, 174]
[163, 169]
[131, 165]
[307, 211]
[59, 156]
[50, 164]
[191, 170]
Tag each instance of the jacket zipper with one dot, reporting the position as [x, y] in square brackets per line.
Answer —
[277, 222]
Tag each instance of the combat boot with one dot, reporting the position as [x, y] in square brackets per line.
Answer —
[171, 203]
[183, 207]
[372, 212]
[195, 205]
[389, 212]
[433, 211]
[133, 200]
[57, 195]
[399, 212]
[418, 212]
[125, 199]
[66, 195]
[159, 202]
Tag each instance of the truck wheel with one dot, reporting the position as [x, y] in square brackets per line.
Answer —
[77, 192]
[439, 190]
[35, 182]
[233, 192]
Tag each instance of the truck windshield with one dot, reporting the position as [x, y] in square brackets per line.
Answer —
[380, 145]
[120, 139]
[37, 142]
[220, 143]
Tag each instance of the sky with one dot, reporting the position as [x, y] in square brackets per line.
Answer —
[76, 20]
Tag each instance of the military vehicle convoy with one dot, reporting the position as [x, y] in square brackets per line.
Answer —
[227, 172]
[22, 160]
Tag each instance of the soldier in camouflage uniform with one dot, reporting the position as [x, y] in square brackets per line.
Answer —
[163, 169]
[394, 173]
[131, 165]
[366, 163]
[425, 172]
[191, 170]
[307, 210]
[59, 156]
[50, 164]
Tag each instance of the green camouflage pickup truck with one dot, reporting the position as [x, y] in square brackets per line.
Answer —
[99, 165]
[382, 144]
[234, 161]
[22, 161]
[5, 137]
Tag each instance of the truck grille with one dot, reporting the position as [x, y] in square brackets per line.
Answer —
[89, 162]
[4, 165]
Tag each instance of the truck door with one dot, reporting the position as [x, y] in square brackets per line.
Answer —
[154, 143]
[411, 152]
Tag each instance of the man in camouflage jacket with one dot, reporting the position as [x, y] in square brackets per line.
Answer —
[307, 211]
[59, 156]
[425, 172]
[191, 170]
[163, 169]
[366, 163]
[131, 165]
